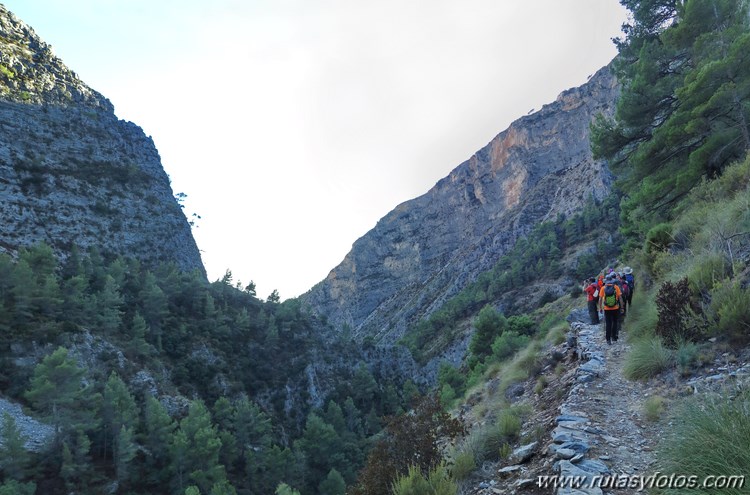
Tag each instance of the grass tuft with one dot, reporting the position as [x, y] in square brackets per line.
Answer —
[654, 407]
[648, 358]
[710, 438]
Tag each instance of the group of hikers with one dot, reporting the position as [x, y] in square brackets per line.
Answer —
[610, 295]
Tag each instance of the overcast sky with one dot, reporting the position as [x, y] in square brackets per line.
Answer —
[294, 125]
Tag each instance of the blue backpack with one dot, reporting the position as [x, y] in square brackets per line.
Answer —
[630, 279]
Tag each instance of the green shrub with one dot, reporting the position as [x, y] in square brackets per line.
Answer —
[505, 450]
[706, 272]
[520, 324]
[463, 465]
[483, 442]
[659, 238]
[647, 358]
[685, 356]
[654, 407]
[709, 438]
[450, 375]
[729, 312]
[13, 487]
[489, 324]
[541, 384]
[447, 395]
[284, 489]
[437, 482]
[486, 441]
[508, 344]
[7, 72]
[509, 425]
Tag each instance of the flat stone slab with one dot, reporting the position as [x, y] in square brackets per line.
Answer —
[569, 471]
[567, 418]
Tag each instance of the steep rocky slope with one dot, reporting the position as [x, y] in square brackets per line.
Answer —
[428, 248]
[71, 172]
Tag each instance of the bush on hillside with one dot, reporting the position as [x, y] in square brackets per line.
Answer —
[676, 314]
[647, 359]
[508, 344]
[413, 439]
[706, 272]
[436, 482]
[659, 238]
[463, 464]
[685, 356]
[729, 312]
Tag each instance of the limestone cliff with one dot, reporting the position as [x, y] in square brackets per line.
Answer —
[428, 248]
[71, 172]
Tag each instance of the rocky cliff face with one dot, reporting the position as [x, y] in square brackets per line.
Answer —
[70, 171]
[427, 249]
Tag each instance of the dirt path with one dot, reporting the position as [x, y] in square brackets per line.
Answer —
[597, 432]
[604, 412]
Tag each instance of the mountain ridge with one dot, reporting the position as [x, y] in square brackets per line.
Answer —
[429, 247]
[71, 172]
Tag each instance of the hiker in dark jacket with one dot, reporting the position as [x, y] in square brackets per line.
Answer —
[630, 279]
[591, 289]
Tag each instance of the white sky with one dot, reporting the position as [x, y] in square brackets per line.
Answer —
[294, 125]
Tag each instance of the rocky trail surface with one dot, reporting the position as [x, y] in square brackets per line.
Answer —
[601, 433]
[598, 438]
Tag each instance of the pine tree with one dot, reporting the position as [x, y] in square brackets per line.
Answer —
[125, 450]
[14, 458]
[154, 303]
[158, 439]
[76, 468]
[109, 302]
[683, 112]
[284, 489]
[119, 411]
[321, 446]
[333, 484]
[139, 332]
[78, 304]
[489, 325]
[13, 487]
[223, 488]
[56, 391]
[200, 446]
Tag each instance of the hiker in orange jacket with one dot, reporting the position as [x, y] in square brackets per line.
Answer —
[610, 301]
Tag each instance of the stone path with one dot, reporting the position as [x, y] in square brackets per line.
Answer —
[601, 430]
[594, 419]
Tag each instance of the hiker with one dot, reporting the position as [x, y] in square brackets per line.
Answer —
[610, 301]
[591, 289]
[625, 288]
[630, 279]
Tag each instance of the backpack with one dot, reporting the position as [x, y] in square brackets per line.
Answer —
[630, 279]
[625, 287]
[610, 296]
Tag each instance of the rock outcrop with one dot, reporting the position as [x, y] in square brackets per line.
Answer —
[428, 248]
[71, 172]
